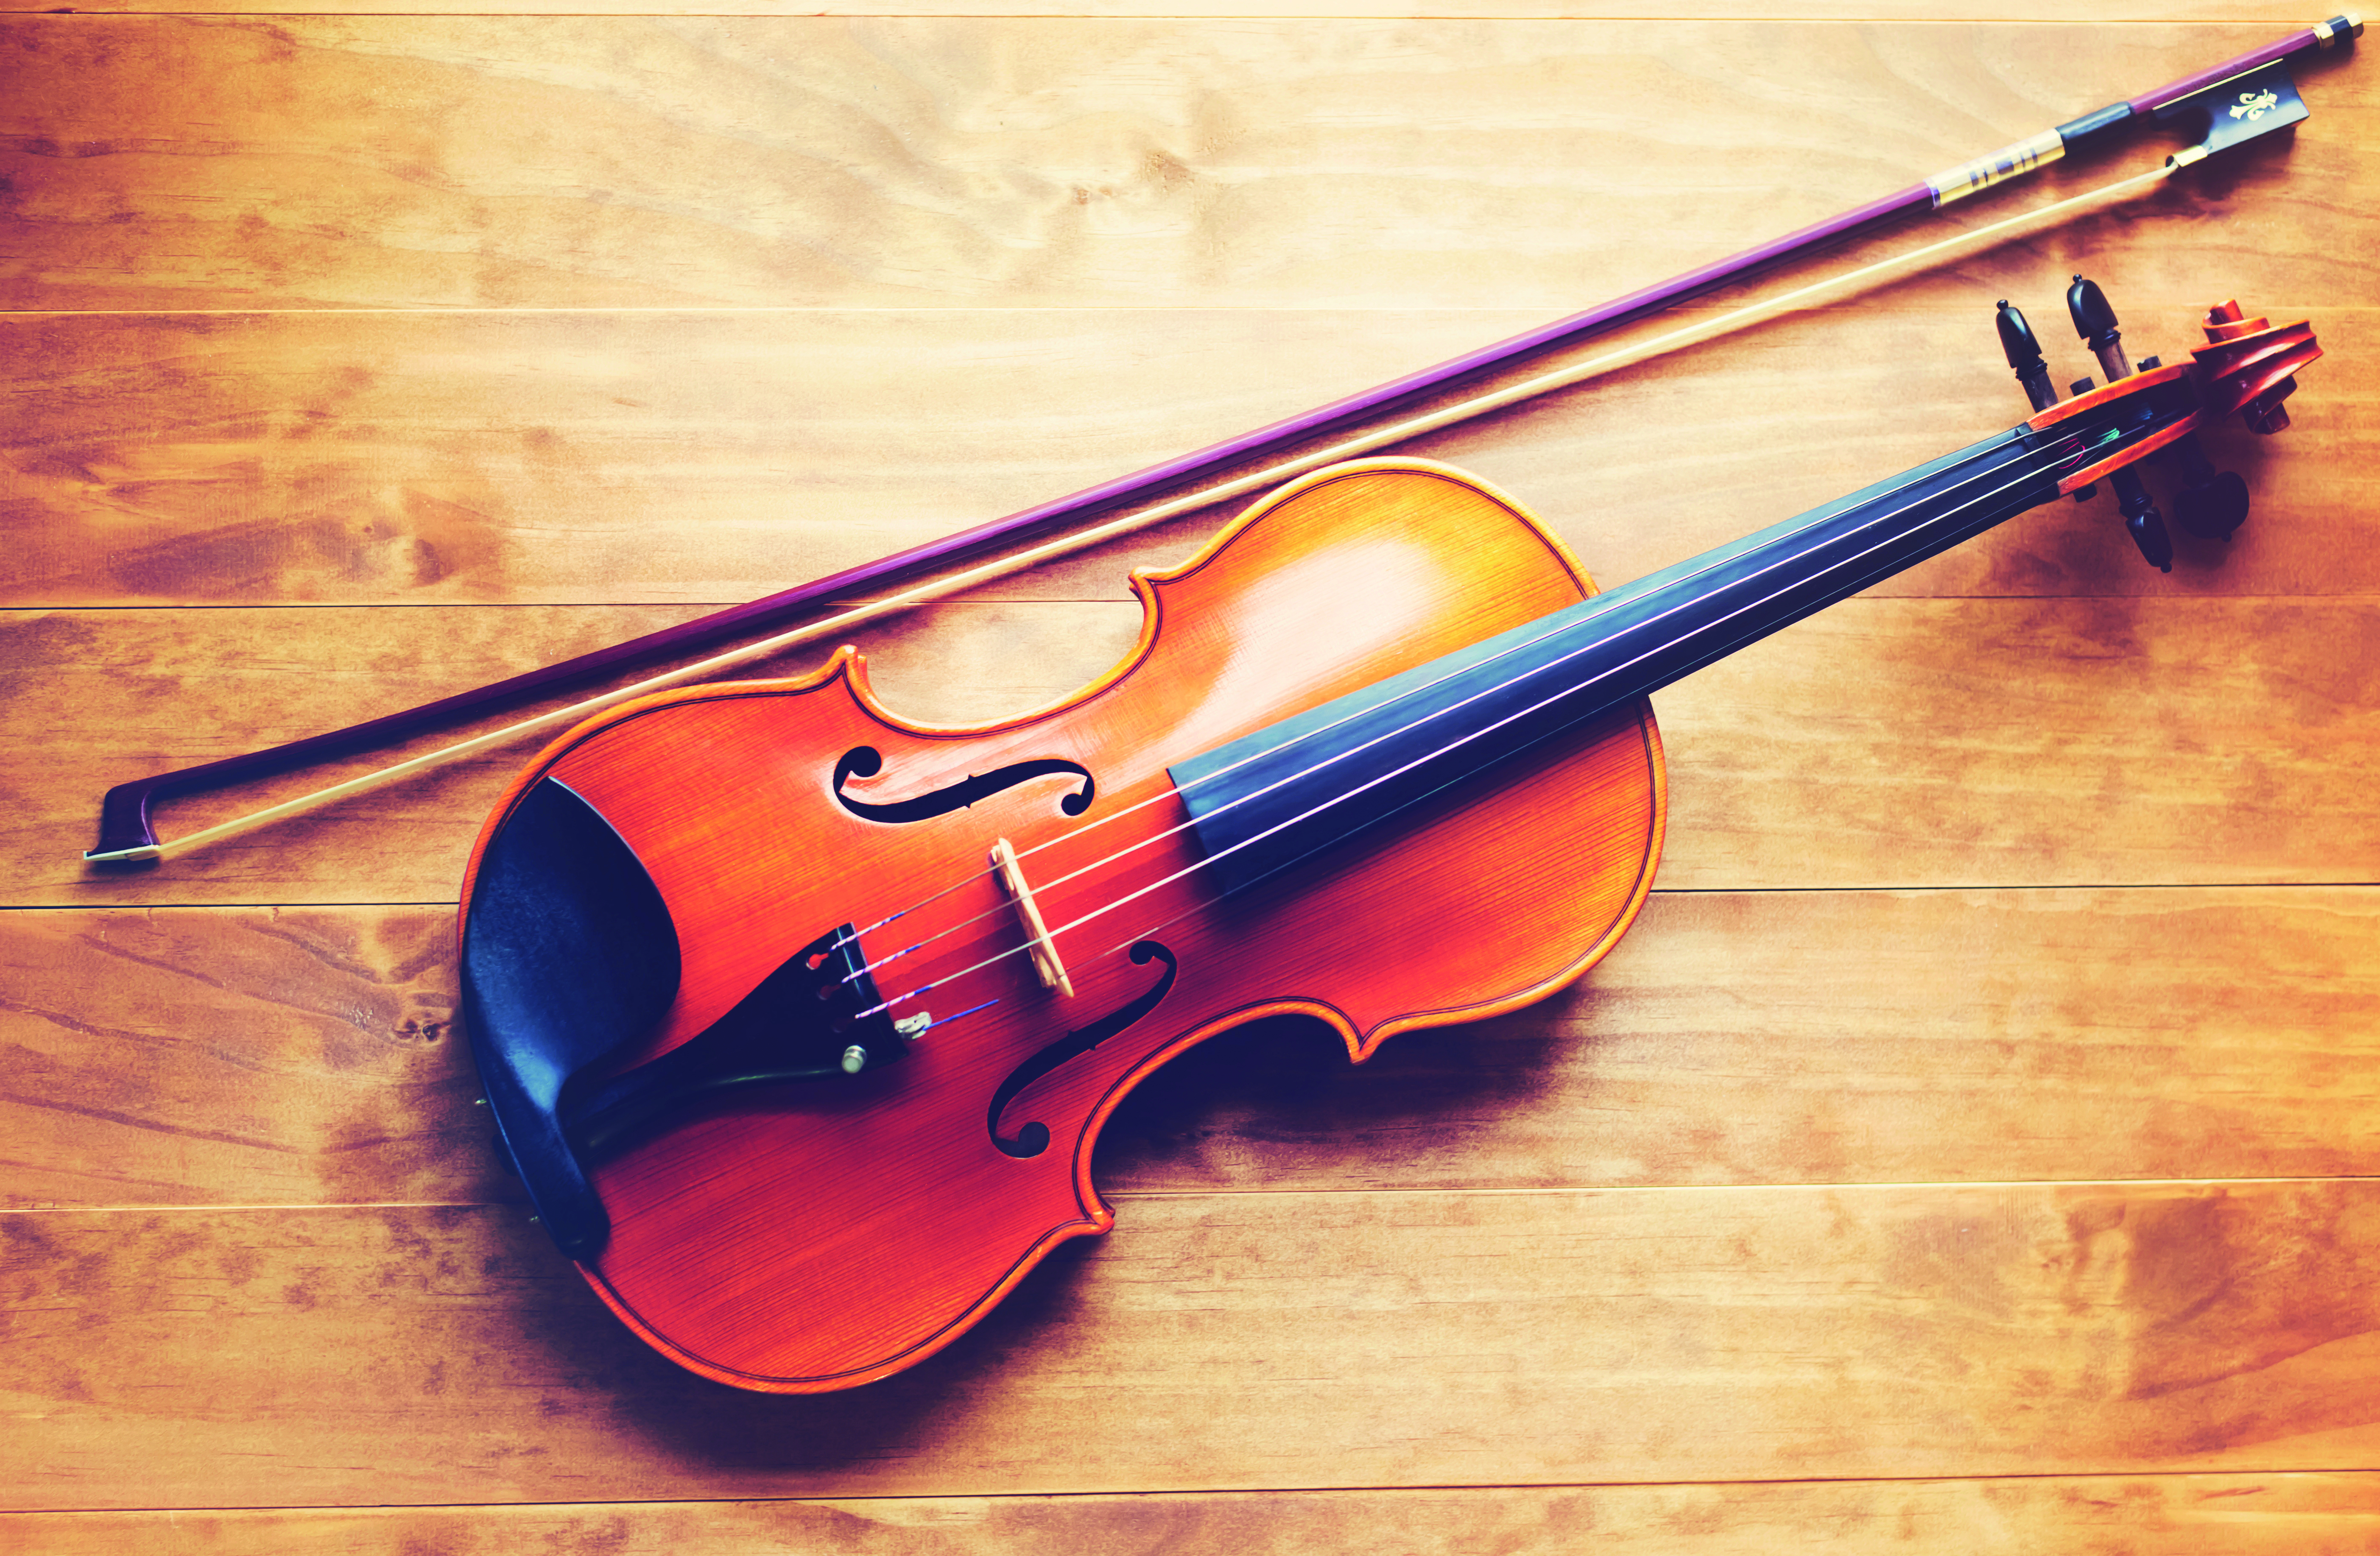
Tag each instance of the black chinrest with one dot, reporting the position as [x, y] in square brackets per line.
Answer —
[568, 953]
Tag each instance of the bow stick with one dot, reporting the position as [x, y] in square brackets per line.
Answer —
[2243, 98]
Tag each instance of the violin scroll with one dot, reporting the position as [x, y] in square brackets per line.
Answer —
[2250, 367]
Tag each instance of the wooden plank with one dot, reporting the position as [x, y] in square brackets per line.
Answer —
[305, 1056]
[78, 677]
[1884, 743]
[960, 155]
[2145, 1515]
[678, 458]
[1819, 1037]
[399, 1355]
[1989, 743]
[2269, 13]
[262, 1056]
[1389, 161]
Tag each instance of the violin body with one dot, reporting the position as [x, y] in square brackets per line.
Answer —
[819, 1234]
[799, 1021]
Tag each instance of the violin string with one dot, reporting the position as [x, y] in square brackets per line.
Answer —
[1718, 651]
[2067, 451]
[1119, 815]
[877, 963]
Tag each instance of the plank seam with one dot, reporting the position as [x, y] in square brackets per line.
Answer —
[1431, 1489]
[133, 905]
[1155, 1195]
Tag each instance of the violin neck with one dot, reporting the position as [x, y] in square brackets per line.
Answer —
[1279, 795]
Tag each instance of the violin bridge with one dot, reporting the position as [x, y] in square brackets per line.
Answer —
[1043, 951]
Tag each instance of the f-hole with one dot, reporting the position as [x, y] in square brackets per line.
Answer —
[866, 760]
[1034, 1139]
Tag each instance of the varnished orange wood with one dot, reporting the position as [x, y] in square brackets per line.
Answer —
[824, 1235]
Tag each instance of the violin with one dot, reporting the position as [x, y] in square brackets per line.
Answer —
[799, 1021]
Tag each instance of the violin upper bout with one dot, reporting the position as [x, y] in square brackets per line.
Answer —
[1358, 573]
[1341, 579]
[1341, 511]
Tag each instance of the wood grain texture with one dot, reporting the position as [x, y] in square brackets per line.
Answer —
[1885, 742]
[1759, 1334]
[345, 360]
[2288, 1514]
[674, 457]
[293, 161]
[288, 1056]
[255, 1056]
[2272, 15]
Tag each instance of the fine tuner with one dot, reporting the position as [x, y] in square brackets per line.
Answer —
[2212, 503]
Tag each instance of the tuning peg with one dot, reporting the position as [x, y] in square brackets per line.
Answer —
[2025, 356]
[2095, 322]
[2142, 519]
[2023, 352]
[2212, 502]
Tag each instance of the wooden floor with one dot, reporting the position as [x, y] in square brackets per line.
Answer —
[1971, 1150]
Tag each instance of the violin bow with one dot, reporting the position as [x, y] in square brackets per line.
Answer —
[2243, 98]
